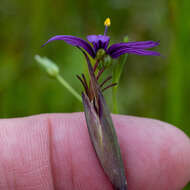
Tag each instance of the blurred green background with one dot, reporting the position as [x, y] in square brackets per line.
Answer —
[151, 87]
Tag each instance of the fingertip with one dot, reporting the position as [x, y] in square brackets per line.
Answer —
[156, 154]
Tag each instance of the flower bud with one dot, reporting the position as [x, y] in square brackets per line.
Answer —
[51, 68]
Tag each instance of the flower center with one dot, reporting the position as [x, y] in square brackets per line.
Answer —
[99, 41]
[103, 59]
[100, 54]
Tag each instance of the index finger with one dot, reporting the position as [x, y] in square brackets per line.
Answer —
[54, 152]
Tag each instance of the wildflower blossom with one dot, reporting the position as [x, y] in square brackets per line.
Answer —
[98, 118]
[98, 43]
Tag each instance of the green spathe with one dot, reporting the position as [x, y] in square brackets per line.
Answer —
[104, 140]
[102, 133]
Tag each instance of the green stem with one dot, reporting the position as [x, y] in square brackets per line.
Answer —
[114, 99]
[68, 87]
[117, 71]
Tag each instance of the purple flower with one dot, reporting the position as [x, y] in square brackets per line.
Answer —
[101, 42]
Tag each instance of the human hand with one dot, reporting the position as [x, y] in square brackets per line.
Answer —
[53, 151]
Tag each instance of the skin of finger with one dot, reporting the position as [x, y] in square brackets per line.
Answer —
[54, 152]
[156, 154]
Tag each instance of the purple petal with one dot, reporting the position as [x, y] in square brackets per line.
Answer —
[74, 41]
[119, 52]
[136, 45]
[96, 38]
[99, 41]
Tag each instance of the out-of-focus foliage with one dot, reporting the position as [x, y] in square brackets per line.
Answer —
[150, 86]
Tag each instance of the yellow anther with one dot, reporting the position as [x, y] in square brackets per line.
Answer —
[107, 22]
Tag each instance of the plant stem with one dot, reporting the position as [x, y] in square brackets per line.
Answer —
[117, 71]
[68, 87]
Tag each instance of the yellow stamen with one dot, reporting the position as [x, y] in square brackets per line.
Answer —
[107, 22]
